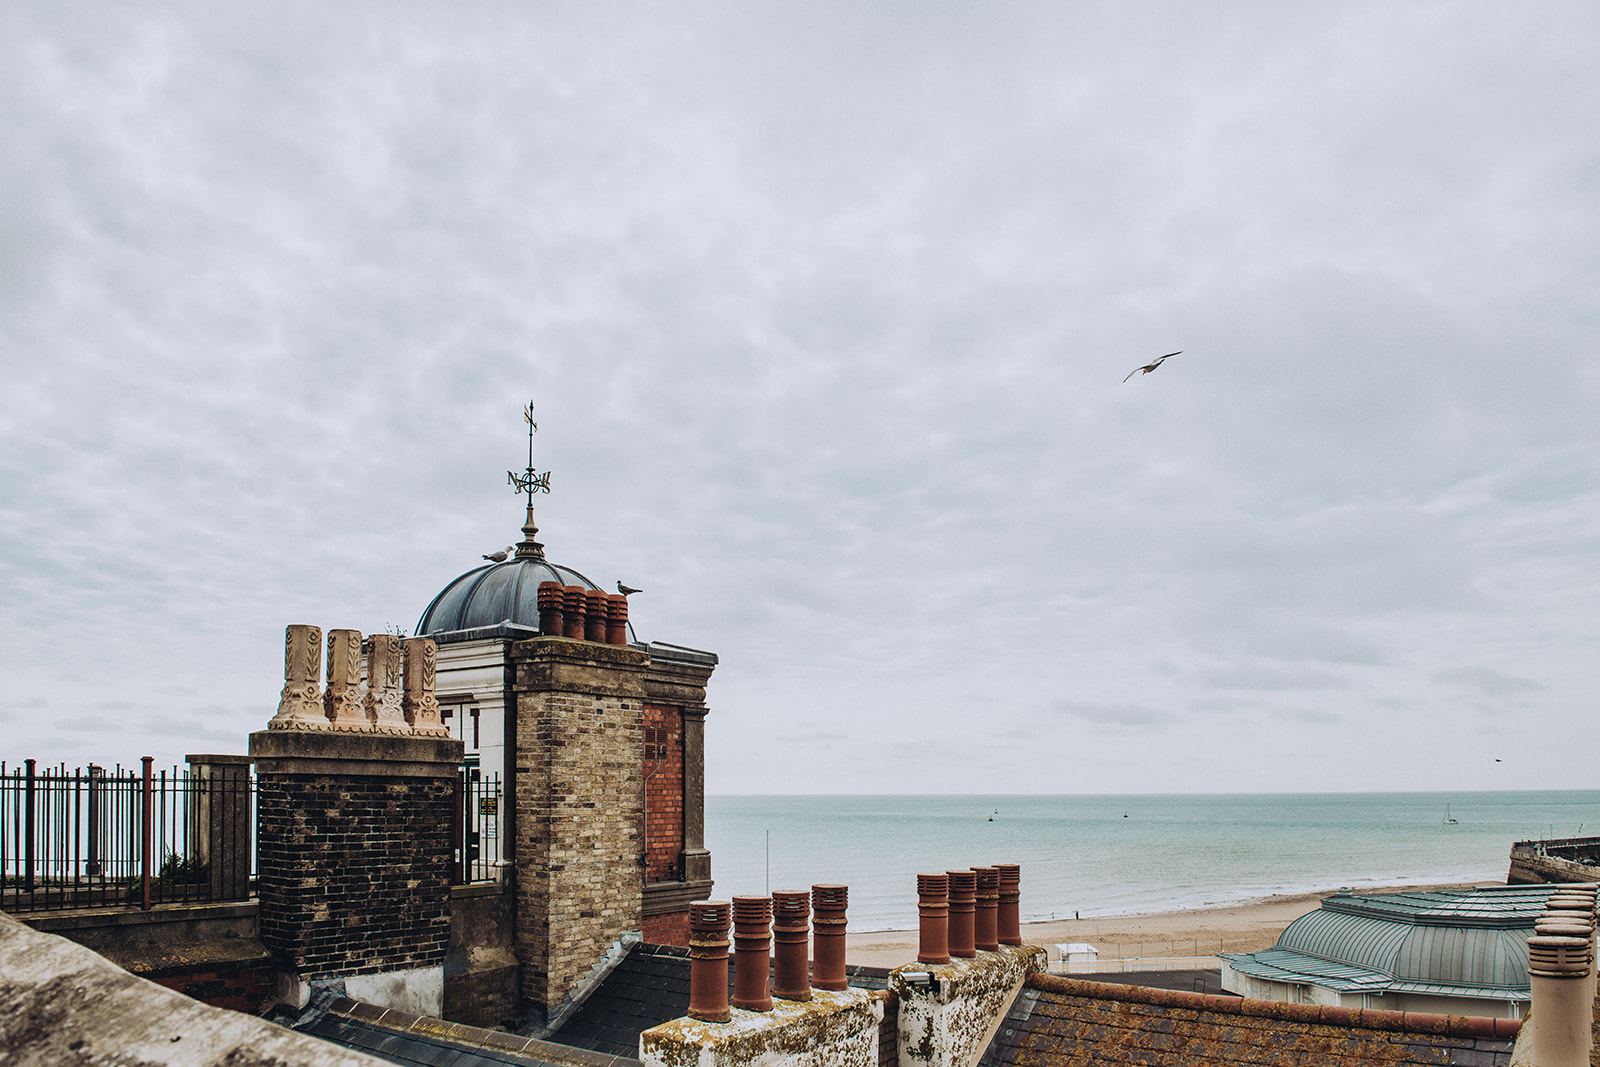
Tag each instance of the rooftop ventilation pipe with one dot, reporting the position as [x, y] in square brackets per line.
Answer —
[933, 918]
[616, 619]
[576, 604]
[985, 931]
[708, 961]
[963, 905]
[1008, 919]
[752, 952]
[791, 912]
[1560, 971]
[828, 903]
[551, 602]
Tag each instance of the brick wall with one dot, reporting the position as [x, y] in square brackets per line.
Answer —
[579, 809]
[663, 794]
[246, 986]
[671, 928]
[354, 872]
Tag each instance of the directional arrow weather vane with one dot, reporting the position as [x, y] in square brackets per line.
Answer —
[529, 482]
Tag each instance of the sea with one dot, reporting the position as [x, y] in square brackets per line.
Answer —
[1103, 856]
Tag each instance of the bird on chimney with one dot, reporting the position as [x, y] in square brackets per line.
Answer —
[627, 590]
[1148, 367]
[500, 557]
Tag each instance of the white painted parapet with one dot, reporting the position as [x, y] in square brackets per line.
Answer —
[832, 1029]
[950, 1011]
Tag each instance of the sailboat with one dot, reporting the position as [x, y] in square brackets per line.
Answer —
[1448, 821]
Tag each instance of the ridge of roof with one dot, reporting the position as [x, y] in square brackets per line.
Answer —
[1412, 1022]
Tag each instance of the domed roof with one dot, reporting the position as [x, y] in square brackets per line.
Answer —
[495, 593]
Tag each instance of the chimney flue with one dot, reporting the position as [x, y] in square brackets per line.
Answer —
[985, 928]
[708, 961]
[575, 603]
[963, 905]
[791, 934]
[551, 603]
[933, 918]
[828, 903]
[752, 952]
[1008, 918]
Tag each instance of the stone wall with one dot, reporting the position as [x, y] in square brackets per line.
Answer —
[579, 809]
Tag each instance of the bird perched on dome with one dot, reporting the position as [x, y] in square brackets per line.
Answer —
[500, 557]
[627, 590]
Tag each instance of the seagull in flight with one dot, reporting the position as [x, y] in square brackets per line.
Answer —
[499, 557]
[1148, 367]
[627, 590]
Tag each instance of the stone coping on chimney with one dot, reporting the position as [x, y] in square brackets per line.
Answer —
[351, 753]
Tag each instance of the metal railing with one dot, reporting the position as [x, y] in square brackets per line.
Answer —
[479, 818]
[92, 837]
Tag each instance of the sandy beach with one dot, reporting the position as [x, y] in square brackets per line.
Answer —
[1203, 932]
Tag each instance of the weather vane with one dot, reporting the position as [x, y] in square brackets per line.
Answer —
[530, 482]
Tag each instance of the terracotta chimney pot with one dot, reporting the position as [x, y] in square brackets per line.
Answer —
[791, 930]
[985, 926]
[752, 952]
[552, 601]
[933, 918]
[828, 904]
[576, 604]
[708, 961]
[963, 905]
[616, 619]
[597, 609]
[1008, 920]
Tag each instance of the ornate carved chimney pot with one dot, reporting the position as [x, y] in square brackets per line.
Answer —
[382, 700]
[342, 699]
[419, 706]
[300, 704]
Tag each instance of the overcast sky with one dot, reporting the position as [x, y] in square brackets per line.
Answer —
[826, 309]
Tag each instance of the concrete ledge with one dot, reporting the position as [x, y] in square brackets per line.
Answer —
[949, 1011]
[663, 897]
[61, 1003]
[833, 1029]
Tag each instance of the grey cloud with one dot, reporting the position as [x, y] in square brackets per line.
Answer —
[1488, 681]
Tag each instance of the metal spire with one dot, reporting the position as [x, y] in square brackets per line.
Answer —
[530, 482]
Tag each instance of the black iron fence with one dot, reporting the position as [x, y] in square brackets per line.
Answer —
[479, 818]
[99, 837]
[137, 837]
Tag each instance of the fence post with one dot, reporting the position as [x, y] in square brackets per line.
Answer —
[27, 832]
[458, 827]
[219, 821]
[144, 820]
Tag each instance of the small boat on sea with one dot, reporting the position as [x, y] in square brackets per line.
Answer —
[1448, 821]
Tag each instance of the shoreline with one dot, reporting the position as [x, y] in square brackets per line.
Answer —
[1244, 927]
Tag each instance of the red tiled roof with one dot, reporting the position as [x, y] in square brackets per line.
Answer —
[1061, 1021]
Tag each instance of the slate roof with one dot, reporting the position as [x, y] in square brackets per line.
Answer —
[648, 986]
[415, 1041]
[1059, 1021]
